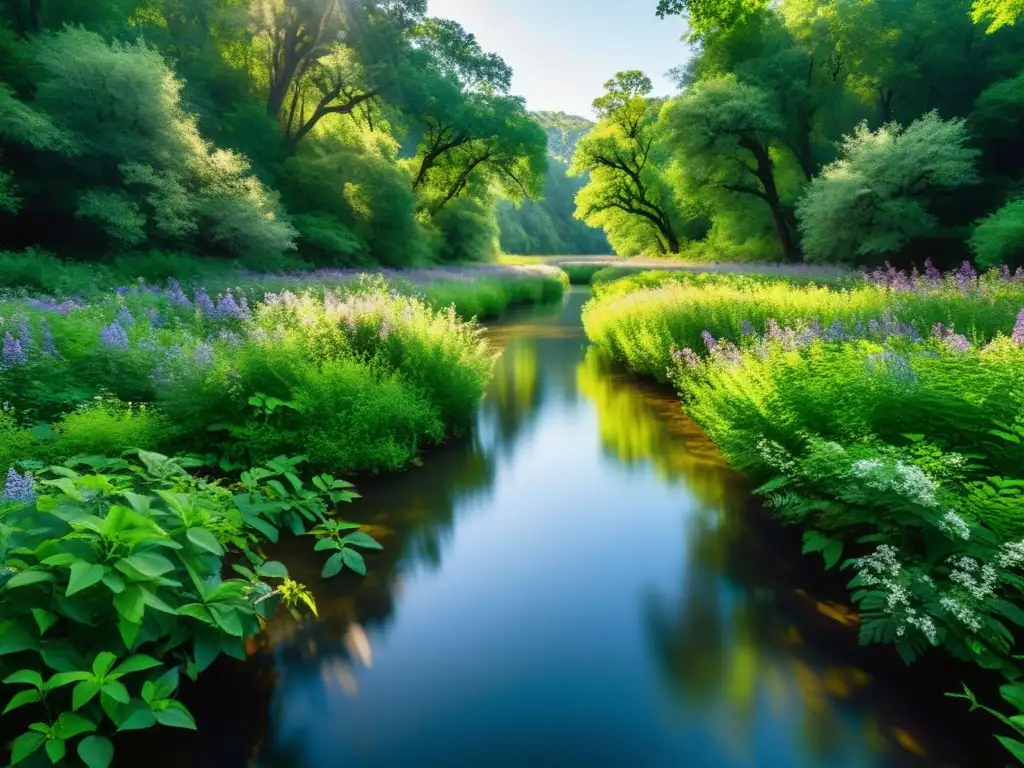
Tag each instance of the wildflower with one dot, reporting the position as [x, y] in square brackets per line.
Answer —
[926, 625]
[113, 336]
[25, 335]
[48, 346]
[965, 276]
[686, 356]
[385, 330]
[709, 341]
[775, 455]
[1018, 329]
[18, 487]
[227, 308]
[176, 295]
[230, 337]
[747, 328]
[203, 355]
[772, 330]
[835, 332]
[961, 612]
[897, 367]
[13, 353]
[955, 525]
[124, 318]
[204, 303]
[1010, 554]
[930, 272]
[155, 318]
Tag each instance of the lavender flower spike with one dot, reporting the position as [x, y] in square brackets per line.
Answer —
[18, 487]
[13, 352]
[113, 336]
[1018, 329]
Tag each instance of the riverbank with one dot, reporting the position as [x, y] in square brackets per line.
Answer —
[882, 419]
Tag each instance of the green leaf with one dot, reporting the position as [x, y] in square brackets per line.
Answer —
[103, 663]
[176, 718]
[196, 611]
[1013, 746]
[25, 677]
[360, 539]
[137, 663]
[55, 750]
[273, 570]
[27, 577]
[138, 502]
[84, 692]
[138, 720]
[114, 582]
[228, 620]
[66, 678]
[354, 561]
[96, 751]
[333, 565]
[26, 745]
[83, 575]
[148, 564]
[44, 619]
[69, 725]
[323, 544]
[204, 539]
[166, 684]
[21, 698]
[206, 647]
[14, 638]
[1014, 694]
[131, 604]
[129, 631]
[260, 525]
[116, 690]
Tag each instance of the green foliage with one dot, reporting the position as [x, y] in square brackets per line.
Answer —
[999, 237]
[114, 584]
[996, 13]
[1013, 694]
[874, 200]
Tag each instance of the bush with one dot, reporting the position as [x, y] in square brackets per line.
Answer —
[999, 238]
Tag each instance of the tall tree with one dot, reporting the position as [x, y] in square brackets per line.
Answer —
[625, 159]
[725, 131]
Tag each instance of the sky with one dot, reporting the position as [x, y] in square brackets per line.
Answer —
[563, 51]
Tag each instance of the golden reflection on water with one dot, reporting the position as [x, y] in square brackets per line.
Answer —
[710, 656]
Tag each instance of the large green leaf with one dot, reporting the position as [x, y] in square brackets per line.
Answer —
[1013, 746]
[83, 693]
[131, 604]
[56, 749]
[96, 751]
[27, 577]
[333, 565]
[69, 725]
[14, 637]
[149, 565]
[175, 717]
[205, 539]
[21, 698]
[25, 677]
[355, 561]
[26, 745]
[84, 575]
[360, 539]
[137, 663]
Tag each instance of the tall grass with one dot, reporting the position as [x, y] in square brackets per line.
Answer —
[359, 377]
[638, 320]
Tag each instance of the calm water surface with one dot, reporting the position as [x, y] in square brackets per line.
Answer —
[581, 582]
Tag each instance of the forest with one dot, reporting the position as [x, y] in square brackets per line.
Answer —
[831, 131]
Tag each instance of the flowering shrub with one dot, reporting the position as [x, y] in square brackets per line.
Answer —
[373, 375]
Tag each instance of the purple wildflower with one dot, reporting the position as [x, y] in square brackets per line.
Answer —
[1018, 329]
[835, 332]
[13, 353]
[747, 328]
[874, 329]
[687, 357]
[965, 276]
[124, 318]
[227, 308]
[230, 337]
[958, 342]
[176, 295]
[1004, 274]
[930, 272]
[709, 341]
[155, 318]
[113, 336]
[18, 487]
[204, 303]
[772, 329]
[25, 335]
[48, 346]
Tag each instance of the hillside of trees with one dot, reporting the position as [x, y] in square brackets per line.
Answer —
[266, 131]
[849, 131]
[548, 225]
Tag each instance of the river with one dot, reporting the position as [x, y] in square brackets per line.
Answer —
[580, 581]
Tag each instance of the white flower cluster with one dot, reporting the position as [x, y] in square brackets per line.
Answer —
[1011, 554]
[979, 580]
[968, 617]
[954, 525]
[775, 456]
[901, 478]
[882, 569]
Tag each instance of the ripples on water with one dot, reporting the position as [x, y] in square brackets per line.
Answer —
[583, 581]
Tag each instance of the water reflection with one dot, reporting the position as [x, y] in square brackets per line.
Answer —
[582, 582]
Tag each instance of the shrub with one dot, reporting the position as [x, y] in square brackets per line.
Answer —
[999, 238]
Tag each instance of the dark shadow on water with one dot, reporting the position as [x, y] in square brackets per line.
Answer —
[582, 581]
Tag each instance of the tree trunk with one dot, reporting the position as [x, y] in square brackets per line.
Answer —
[766, 175]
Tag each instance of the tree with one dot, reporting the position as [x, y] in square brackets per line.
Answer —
[875, 199]
[997, 13]
[625, 157]
[999, 238]
[709, 17]
[724, 131]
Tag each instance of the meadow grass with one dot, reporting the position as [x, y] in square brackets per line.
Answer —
[639, 319]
